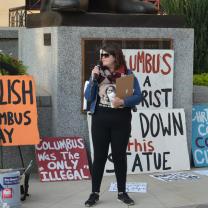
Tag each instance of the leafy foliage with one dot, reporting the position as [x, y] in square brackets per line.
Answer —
[200, 79]
[11, 66]
[196, 16]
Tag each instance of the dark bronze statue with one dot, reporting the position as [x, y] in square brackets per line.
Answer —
[100, 6]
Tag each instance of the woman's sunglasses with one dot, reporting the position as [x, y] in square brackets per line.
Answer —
[105, 55]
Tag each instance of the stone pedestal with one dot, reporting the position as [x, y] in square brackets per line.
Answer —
[57, 68]
[200, 94]
[9, 156]
[55, 19]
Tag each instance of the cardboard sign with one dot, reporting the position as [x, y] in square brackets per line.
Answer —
[200, 135]
[158, 142]
[62, 159]
[18, 113]
[154, 70]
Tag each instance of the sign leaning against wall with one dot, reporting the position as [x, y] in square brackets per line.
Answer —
[154, 69]
[62, 159]
[200, 135]
[18, 111]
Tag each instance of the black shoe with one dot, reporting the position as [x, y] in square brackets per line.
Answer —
[93, 198]
[124, 197]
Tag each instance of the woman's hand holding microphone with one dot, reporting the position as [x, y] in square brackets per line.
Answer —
[95, 73]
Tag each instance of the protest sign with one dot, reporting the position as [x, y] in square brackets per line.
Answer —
[200, 135]
[18, 112]
[177, 176]
[154, 70]
[158, 142]
[62, 159]
[131, 187]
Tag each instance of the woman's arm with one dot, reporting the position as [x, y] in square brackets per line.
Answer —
[91, 90]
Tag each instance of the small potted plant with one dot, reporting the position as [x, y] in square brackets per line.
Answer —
[11, 66]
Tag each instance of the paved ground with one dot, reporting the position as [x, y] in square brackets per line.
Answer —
[72, 194]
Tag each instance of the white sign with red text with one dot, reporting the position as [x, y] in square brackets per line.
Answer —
[158, 142]
[154, 69]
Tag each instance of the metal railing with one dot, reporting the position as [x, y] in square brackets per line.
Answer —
[17, 16]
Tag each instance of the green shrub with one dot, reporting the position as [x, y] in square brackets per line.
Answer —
[11, 66]
[196, 16]
[200, 79]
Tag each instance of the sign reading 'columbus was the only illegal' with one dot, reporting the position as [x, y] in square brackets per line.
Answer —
[62, 159]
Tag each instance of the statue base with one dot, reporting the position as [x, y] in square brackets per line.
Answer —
[52, 18]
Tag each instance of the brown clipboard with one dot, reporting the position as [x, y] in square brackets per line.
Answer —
[124, 86]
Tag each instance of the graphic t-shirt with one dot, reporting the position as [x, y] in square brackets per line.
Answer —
[107, 86]
[107, 92]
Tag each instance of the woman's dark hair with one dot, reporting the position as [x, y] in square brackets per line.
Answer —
[115, 50]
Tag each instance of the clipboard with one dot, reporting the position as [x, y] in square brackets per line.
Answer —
[124, 86]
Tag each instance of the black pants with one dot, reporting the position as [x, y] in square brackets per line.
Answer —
[110, 126]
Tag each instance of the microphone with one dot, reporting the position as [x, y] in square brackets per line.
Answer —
[95, 76]
[94, 80]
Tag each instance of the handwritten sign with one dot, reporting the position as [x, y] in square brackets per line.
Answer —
[154, 70]
[158, 142]
[168, 177]
[200, 135]
[18, 113]
[62, 159]
[133, 187]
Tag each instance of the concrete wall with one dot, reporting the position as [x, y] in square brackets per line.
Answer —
[57, 68]
[9, 41]
[200, 94]
[10, 156]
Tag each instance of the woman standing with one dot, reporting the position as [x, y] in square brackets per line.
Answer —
[111, 120]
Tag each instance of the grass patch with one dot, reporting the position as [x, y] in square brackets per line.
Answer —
[200, 79]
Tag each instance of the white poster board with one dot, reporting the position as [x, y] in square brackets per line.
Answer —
[154, 69]
[158, 142]
[131, 187]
